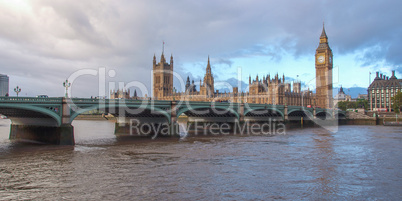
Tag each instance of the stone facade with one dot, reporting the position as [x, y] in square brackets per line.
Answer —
[341, 96]
[323, 69]
[162, 77]
[261, 91]
[120, 94]
[381, 90]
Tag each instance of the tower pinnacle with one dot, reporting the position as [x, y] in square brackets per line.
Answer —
[208, 66]
[163, 47]
[323, 34]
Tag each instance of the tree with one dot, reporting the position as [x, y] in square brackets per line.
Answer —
[361, 103]
[397, 102]
[343, 105]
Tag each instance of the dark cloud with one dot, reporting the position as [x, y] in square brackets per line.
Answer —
[49, 40]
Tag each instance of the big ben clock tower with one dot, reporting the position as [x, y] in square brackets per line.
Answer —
[323, 72]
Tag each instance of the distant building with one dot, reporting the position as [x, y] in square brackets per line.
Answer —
[381, 90]
[125, 94]
[263, 91]
[341, 96]
[362, 97]
[120, 94]
[190, 87]
[4, 85]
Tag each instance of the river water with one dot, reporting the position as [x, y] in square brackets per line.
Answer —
[356, 163]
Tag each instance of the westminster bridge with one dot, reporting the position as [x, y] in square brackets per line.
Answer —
[48, 120]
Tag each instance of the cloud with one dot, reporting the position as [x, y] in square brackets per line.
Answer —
[49, 40]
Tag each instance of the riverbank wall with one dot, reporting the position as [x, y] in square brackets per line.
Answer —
[289, 124]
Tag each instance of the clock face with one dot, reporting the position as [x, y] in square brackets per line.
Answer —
[321, 59]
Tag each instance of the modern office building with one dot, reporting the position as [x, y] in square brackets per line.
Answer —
[4, 85]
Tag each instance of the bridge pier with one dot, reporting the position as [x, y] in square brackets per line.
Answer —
[314, 113]
[286, 116]
[63, 135]
[146, 127]
[241, 112]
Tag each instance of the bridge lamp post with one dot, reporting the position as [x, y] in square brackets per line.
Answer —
[66, 85]
[286, 100]
[174, 93]
[17, 90]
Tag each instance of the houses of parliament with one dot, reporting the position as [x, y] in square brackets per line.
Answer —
[264, 90]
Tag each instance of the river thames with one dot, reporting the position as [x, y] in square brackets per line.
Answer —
[356, 163]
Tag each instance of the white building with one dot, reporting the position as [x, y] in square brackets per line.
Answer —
[341, 96]
[4, 82]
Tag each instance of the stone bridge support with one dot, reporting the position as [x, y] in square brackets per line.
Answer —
[174, 126]
[314, 113]
[156, 126]
[39, 130]
[61, 135]
[285, 113]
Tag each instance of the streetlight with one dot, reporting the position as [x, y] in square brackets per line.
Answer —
[286, 100]
[17, 90]
[66, 85]
[174, 93]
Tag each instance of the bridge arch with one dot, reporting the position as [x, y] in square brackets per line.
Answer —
[186, 109]
[340, 115]
[323, 114]
[47, 112]
[296, 114]
[308, 113]
[248, 110]
[101, 106]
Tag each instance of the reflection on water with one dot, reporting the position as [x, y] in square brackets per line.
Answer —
[357, 163]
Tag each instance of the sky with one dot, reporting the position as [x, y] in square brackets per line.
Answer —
[108, 44]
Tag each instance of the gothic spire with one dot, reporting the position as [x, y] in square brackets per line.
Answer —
[162, 58]
[323, 34]
[208, 66]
